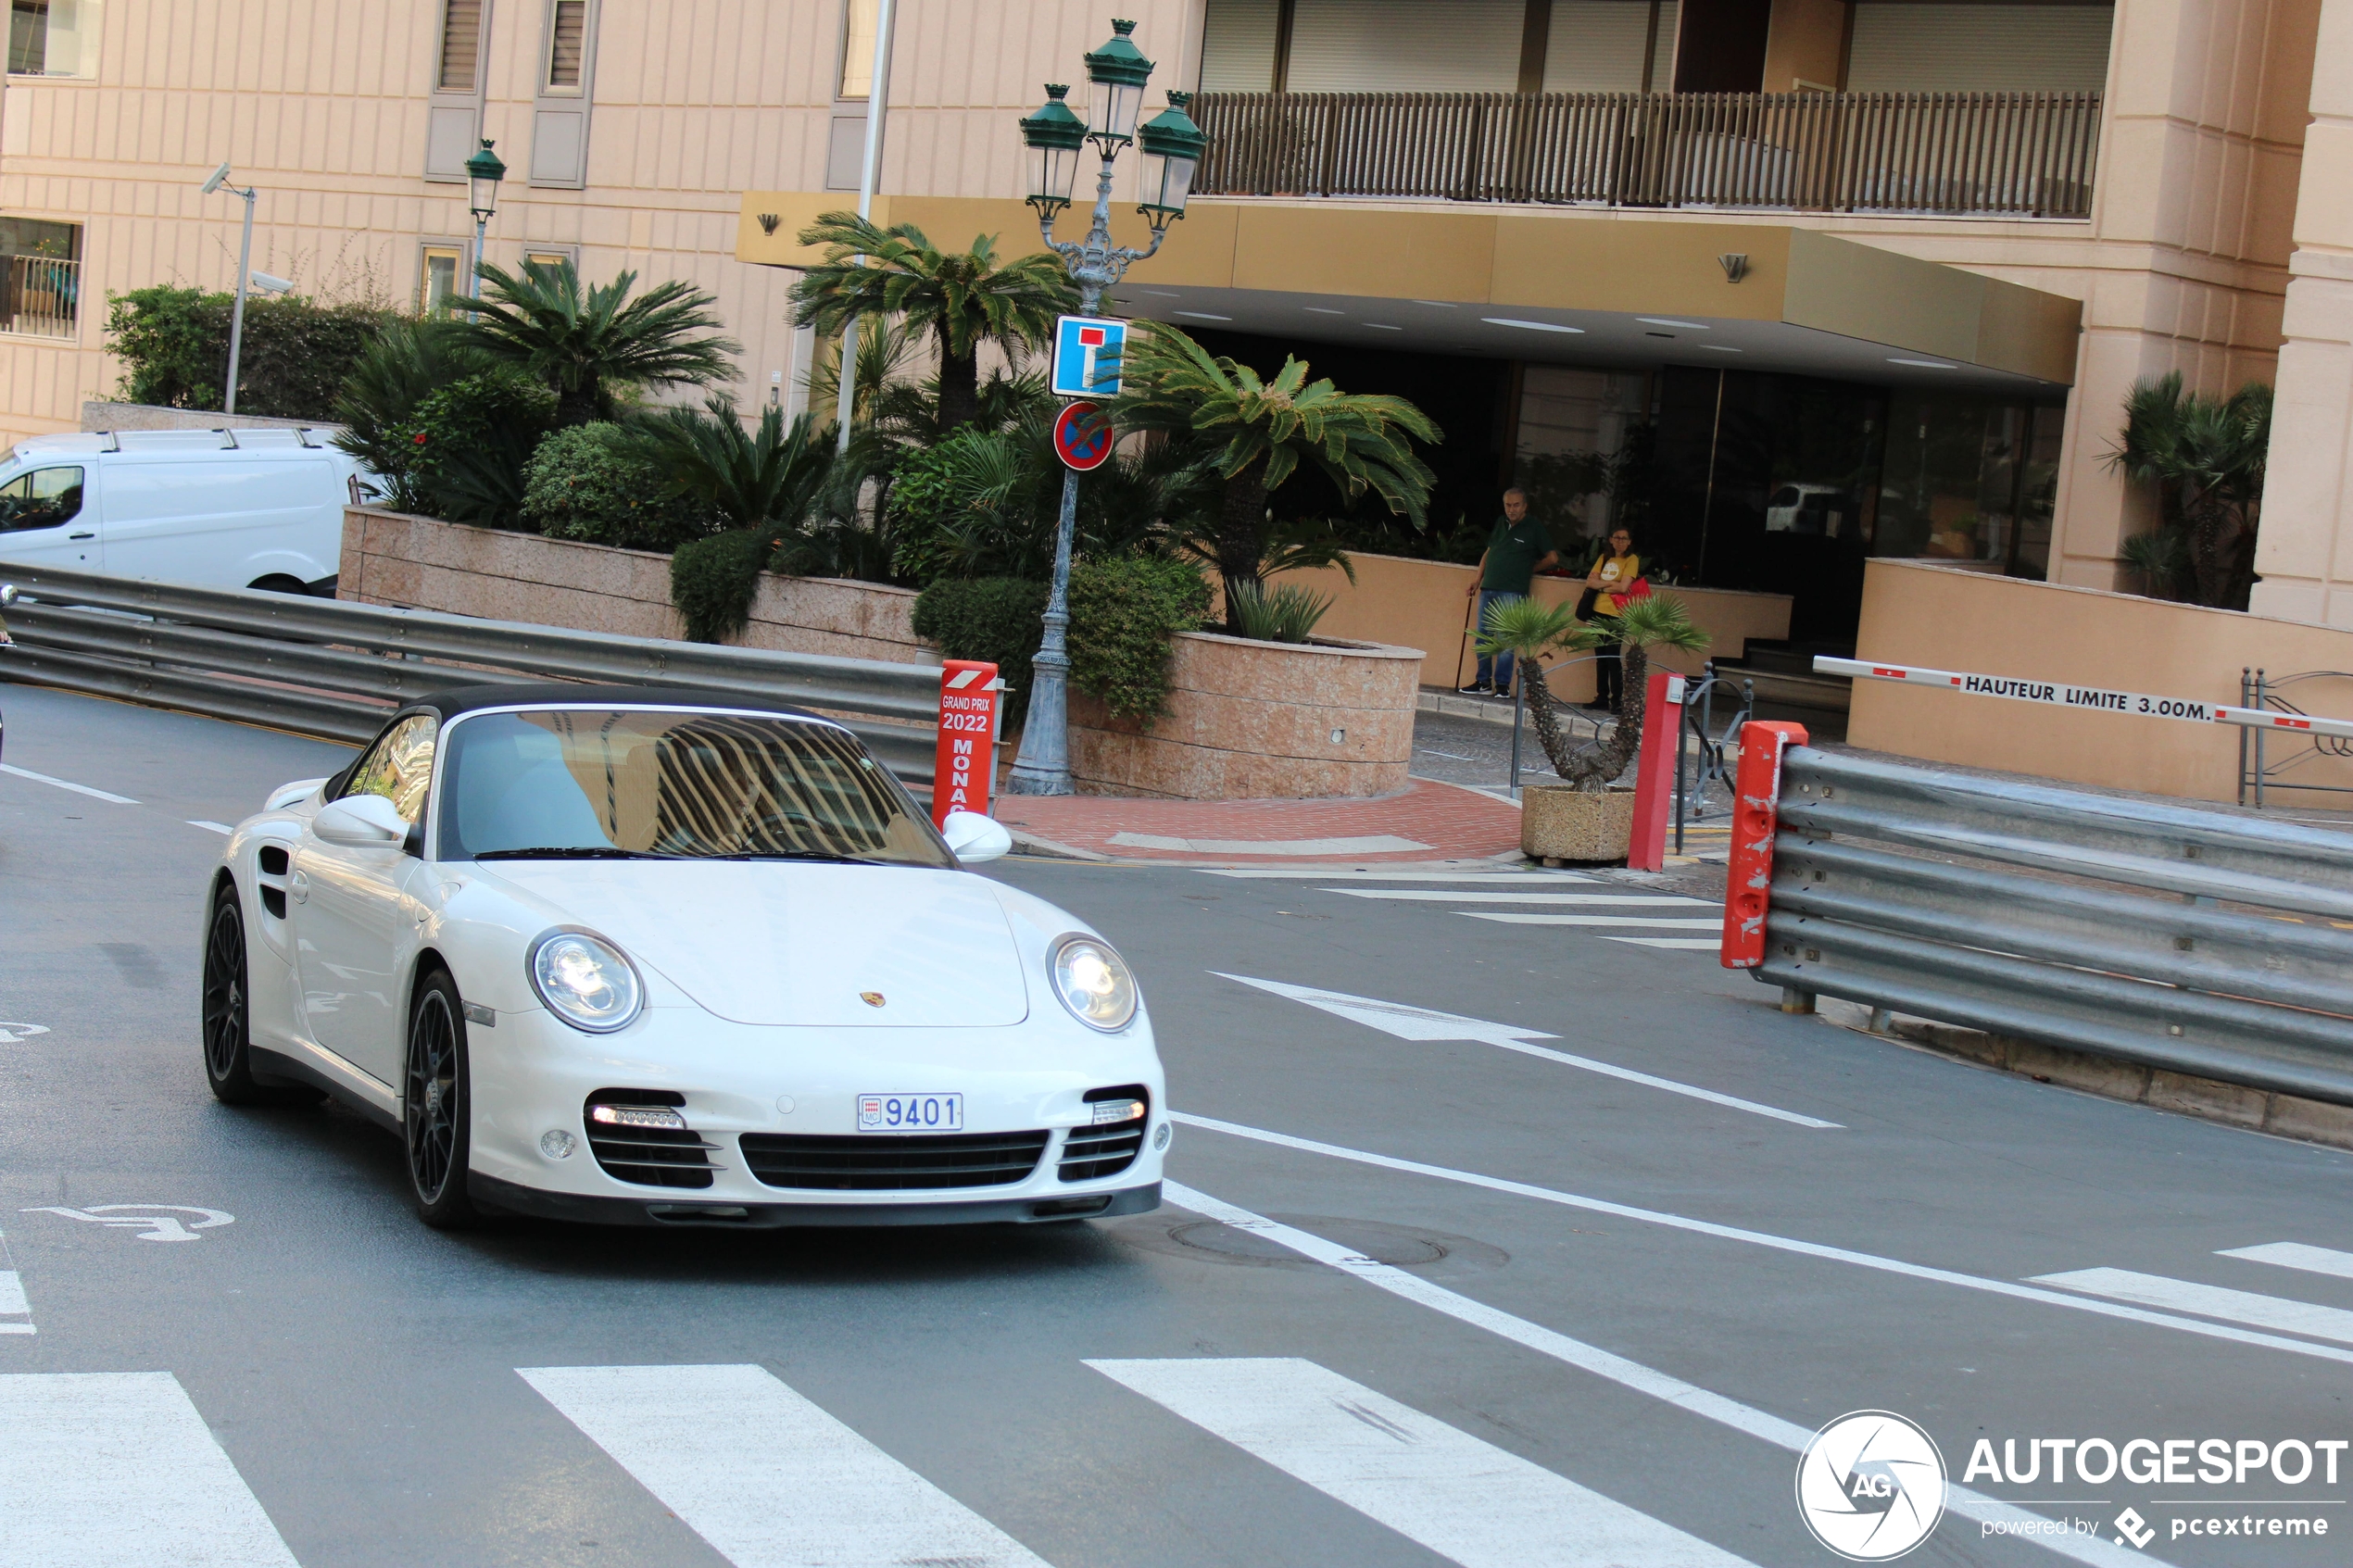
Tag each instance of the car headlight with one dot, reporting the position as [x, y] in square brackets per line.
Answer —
[1093, 983]
[585, 982]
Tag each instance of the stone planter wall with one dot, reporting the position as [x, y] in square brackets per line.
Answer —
[420, 563]
[1256, 720]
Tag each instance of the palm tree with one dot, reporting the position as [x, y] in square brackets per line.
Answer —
[1529, 630]
[2206, 455]
[585, 344]
[749, 479]
[1175, 385]
[961, 297]
[410, 359]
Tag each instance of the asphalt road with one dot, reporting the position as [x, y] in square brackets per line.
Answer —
[1509, 1308]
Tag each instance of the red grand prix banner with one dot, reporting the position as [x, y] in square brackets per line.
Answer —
[969, 695]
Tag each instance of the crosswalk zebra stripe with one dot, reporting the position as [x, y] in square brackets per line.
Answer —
[764, 1475]
[1434, 1484]
[2296, 1255]
[2210, 1302]
[118, 1470]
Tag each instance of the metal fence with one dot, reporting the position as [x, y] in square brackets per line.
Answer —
[40, 295]
[2026, 154]
[2196, 941]
[2263, 767]
[320, 667]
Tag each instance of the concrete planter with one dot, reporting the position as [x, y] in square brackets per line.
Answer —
[1559, 823]
[1250, 720]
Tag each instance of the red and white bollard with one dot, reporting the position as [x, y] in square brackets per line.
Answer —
[971, 703]
[1756, 816]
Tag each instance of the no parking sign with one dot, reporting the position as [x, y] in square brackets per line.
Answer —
[1083, 438]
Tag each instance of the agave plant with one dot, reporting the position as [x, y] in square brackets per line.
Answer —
[1529, 631]
[1286, 614]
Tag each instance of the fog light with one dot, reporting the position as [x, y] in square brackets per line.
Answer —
[555, 1144]
[1160, 1139]
[1110, 1110]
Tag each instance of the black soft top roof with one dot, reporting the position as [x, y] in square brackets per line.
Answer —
[568, 693]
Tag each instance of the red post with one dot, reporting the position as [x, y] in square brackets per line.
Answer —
[966, 764]
[1654, 778]
[1756, 813]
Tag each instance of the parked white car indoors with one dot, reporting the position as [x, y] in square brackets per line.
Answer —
[645, 955]
[246, 509]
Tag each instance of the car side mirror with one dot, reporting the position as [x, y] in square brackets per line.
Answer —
[293, 794]
[362, 821]
[974, 838]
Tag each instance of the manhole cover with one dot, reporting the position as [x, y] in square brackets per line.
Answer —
[1208, 1241]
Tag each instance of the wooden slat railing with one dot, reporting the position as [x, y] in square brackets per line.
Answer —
[2016, 155]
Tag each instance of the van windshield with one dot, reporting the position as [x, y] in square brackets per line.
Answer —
[623, 784]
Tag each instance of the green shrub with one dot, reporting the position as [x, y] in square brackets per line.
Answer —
[994, 619]
[1286, 614]
[976, 504]
[712, 582]
[588, 484]
[1121, 613]
[291, 363]
[464, 448]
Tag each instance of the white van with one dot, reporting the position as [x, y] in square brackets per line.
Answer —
[231, 508]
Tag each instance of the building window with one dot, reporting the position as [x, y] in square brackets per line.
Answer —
[567, 45]
[857, 49]
[461, 46]
[438, 291]
[39, 277]
[53, 38]
[551, 257]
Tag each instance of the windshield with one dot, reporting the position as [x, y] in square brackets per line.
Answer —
[614, 783]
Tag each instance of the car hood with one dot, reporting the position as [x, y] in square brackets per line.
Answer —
[790, 942]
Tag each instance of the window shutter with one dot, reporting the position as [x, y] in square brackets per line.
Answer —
[560, 108]
[461, 46]
[453, 112]
[568, 36]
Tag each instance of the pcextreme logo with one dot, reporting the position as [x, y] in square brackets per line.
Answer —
[1871, 1486]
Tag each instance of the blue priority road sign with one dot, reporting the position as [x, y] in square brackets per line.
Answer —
[1086, 352]
[1082, 436]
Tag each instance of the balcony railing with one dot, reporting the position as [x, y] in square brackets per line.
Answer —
[40, 295]
[2008, 155]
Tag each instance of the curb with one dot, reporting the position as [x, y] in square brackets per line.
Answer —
[2233, 1105]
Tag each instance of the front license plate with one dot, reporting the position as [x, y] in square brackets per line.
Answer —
[910, 1114]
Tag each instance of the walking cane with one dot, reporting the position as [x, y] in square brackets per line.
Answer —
[1470, 602]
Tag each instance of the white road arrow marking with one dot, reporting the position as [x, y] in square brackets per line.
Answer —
[1425, 1023]
[140, 1217]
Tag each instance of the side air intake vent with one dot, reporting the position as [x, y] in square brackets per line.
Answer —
[641, 1135]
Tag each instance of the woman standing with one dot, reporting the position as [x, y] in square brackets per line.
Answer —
[1611, 575]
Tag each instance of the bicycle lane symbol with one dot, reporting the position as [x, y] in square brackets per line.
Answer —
[143, 1218]
[17, 1034]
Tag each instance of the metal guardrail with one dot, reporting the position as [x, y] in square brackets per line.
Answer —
[2020, 155]
[321, 667]
[2191, 940]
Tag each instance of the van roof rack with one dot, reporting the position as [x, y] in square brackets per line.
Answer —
[114, 441]
[228, 438]
[302, 434]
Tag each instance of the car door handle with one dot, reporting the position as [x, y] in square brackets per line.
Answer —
[299, 885]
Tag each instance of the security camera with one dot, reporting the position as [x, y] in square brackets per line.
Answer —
[218, 175]
[270, 284]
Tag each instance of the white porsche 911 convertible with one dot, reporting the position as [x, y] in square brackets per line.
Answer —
[659, 956]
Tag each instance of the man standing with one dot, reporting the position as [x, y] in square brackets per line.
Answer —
[1516, 551]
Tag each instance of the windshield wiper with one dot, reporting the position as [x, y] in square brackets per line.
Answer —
[572, 852]
[800, 855]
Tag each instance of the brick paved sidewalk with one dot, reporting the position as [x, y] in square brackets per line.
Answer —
[1427, 821]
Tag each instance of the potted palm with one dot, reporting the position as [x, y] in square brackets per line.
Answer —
[1584, 818]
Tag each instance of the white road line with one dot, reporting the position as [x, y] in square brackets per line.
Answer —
[1626, 1374]
[65, 783]
[1425, 1023]
[118, 1470]
[768, 1478]
[1435, 1484]
[2296, 1255]
[1434, 896]
[2209, 1300]
[15, 1312]
[1377, 844]
[1681, 944]
[211, 827]
[1310, 873]
[1646, 921]
[1778, 1243]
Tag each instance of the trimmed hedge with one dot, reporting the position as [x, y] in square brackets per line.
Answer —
[291, 364]
[994, 619]
[1123, 612]
[585, 483]
[714, 581]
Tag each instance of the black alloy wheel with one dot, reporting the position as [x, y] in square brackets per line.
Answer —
[228, 1062]
[436, 1105]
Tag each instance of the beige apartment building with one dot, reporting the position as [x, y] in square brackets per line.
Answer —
[1874, 275]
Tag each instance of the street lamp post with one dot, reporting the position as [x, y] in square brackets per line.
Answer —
[1172, 146]
[245, 265]
[484, 171]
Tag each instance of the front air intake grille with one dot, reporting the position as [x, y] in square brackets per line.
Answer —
[641, 1135]
[887, 1162]
[1106, 1148]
